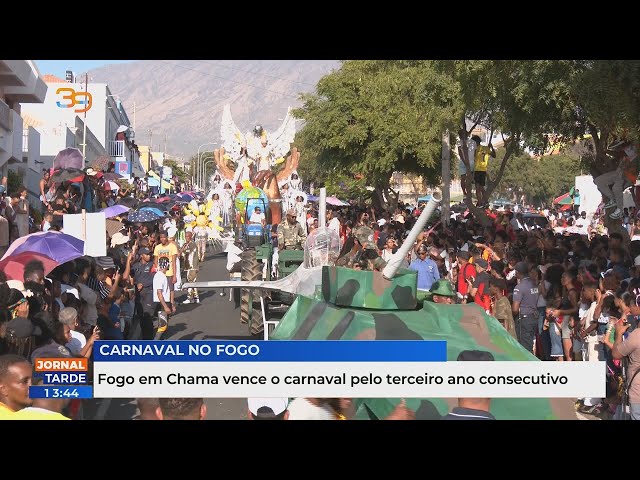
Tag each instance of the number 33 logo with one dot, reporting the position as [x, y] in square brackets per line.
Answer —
[73, 99]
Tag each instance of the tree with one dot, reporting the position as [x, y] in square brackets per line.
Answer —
[177, 170]
[374, 118]
[539, 179]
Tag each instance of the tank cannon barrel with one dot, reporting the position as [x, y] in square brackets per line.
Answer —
[396, 260]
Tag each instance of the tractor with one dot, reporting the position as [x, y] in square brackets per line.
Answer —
[256, 264]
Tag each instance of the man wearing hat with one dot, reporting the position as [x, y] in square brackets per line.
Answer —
[268, 408]
[143, 281]
[291, 235]
[427, 269]
[441, 292]
[525, 306]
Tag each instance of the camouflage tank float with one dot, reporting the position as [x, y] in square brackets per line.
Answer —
[336, 303]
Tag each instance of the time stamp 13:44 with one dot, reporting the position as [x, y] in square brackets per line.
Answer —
[60, 392]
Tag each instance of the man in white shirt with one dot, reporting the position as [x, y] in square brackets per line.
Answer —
[162, 296]
[257, 217]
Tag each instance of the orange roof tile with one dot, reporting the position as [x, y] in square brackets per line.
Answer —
[48, 78]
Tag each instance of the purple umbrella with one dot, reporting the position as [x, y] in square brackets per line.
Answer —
[115, 210]
[68, 158]
[55, 245]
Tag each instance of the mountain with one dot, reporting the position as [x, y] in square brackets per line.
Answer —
[184, 99]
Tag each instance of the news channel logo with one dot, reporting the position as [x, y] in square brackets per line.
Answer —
[73, 98]
[59, 378]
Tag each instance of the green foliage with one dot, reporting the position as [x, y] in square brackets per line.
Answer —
[177, 170]
[539, 179]
[347, 187]
[14, 182]
[374, 118]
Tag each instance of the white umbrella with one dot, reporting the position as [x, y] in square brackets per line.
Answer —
[109, 185]
[122, 128]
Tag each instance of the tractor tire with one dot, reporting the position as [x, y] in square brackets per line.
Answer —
[250, 311]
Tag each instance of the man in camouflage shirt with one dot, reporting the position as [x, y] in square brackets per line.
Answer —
[291, 235]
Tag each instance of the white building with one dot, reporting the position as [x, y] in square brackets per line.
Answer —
[20, 83]
[64, 109]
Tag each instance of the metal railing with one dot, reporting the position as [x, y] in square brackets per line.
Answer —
[116, 148]
[25, 141]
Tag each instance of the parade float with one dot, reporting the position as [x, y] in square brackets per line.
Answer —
[264, 159]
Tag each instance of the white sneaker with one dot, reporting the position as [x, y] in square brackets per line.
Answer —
[187, 301]
[616, 214]
[197, 300]
[610, 203]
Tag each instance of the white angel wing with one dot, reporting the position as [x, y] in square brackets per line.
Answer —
[280, 141]
[230, 135]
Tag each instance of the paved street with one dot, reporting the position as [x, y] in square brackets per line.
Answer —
[214, 318]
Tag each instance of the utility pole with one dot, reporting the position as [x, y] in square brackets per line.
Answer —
[150, 139]
[446, 179]
[84, 133]
[165, 144]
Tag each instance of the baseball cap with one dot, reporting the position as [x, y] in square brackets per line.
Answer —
[481, 262]
[21, 327]
[144, 251]
[522, 267]
[267, 406]
[291, 212]
[442, 288]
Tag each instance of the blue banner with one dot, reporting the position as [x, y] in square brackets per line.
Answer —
[61, 392]
[274, 351]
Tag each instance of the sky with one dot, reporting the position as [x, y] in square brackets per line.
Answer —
[59, 67]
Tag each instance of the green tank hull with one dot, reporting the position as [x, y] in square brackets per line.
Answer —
[463, 327]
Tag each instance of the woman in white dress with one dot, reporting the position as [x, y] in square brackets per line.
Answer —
[301, 211]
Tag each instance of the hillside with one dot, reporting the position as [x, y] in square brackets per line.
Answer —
[184, 99]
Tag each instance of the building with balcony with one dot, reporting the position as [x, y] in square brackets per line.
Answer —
[20, 83]
[108, 130]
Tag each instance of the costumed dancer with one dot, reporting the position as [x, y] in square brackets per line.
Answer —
[227, 202]
[301, 211]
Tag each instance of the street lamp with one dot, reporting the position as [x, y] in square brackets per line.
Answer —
[208, 161]
[198, 161]
[202, 170]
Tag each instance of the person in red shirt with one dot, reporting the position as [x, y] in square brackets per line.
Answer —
[466, 273]
[480, 287]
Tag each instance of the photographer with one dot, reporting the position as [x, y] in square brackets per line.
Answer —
[629, 347]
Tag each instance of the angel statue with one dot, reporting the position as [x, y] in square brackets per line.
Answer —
[264, 160]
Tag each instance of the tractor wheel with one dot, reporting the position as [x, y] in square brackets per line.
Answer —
[250, 311]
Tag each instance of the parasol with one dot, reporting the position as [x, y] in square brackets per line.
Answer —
[153, 209]
[112, 176]
[55, 245]
[336, 202]
[128, 202]
[109, 185]
[101, 163]
[68, 158]
[143, 216]
[72, 175]
[115, 210]
[13, 266]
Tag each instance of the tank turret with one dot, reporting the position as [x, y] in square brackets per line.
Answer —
[394, 288]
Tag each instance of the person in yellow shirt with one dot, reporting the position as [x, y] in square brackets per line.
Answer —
[15, 380]
[167, 250]
[43, 408]
[481, 161]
